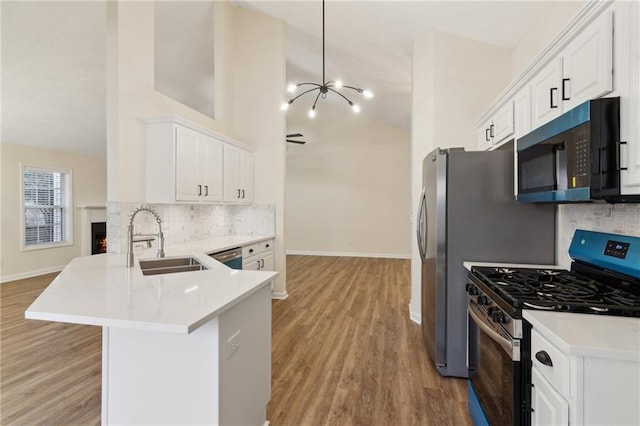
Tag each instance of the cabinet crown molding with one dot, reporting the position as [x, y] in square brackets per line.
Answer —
[197, 127]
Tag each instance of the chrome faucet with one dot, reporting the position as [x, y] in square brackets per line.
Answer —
[130, 234]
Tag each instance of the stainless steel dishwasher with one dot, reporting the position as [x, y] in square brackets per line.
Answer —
[232, 257]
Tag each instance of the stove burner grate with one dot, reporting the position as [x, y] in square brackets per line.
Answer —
[558, 290]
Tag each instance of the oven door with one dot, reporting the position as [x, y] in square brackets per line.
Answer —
[497, 381]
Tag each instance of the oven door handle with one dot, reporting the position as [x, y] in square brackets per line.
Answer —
[508, 345]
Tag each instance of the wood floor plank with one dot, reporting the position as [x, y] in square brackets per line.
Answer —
[344, 353]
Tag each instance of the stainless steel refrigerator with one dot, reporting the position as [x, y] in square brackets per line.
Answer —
[468, 212]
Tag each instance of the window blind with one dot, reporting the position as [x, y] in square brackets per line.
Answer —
[44, 206]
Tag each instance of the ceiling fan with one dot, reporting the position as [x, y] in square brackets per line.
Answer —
[295, 135]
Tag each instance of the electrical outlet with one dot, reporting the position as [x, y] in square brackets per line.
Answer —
[233, 344]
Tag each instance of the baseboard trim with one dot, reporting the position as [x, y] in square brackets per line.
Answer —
[348, 254]
[280, 295]
[415, 317]
[30, 274]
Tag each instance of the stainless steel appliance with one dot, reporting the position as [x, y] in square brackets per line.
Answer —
[468, 212]
[604, 279]
[575, 157]
[231, 257]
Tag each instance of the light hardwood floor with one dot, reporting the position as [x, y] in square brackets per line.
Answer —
[344, 353]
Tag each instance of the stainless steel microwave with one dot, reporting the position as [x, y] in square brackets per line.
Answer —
[573, 158]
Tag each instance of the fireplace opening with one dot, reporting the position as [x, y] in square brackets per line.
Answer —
[98, 237]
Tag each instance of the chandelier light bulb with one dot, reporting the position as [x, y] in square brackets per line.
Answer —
[320, 90]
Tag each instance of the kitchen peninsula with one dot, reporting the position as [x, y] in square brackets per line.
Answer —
[180, 348]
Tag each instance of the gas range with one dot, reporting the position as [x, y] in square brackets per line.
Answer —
[604, 279]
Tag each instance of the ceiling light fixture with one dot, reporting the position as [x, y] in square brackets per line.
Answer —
[325, 87]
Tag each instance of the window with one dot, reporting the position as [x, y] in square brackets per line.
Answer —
[47, 217]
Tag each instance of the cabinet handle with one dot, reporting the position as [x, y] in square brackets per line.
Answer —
[491, 129]
[267, 245]
[250, 251]
[258, 264]
[262, 260]
[544, 358]
[617, 151]
[238, 194]
[551, 105]
[206, 190]
[243, 193]
[564, 91]
[199, 189]
[486, 135]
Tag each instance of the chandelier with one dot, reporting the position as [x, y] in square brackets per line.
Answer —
[324, 88]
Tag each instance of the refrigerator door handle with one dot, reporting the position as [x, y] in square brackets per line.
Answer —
[422, 226]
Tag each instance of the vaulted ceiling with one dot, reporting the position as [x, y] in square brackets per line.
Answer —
[53, 57]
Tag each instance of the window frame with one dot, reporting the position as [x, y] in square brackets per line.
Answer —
[67, 209]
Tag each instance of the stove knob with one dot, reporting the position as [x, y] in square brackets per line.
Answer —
[483, 300]
[471, 289]
[498, 316]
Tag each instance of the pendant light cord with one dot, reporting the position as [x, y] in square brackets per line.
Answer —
[324, 82]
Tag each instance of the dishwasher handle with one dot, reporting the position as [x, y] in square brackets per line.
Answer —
[227, 255]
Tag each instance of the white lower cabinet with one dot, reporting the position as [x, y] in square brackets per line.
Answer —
[592, 382]
[258, 256]
[549, 407]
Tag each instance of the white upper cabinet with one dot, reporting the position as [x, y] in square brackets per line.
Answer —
[546, 100]
[522, 112]
[184, 164]
[238, 175]
[588, 63]
[497, 129]
[198, 166]
[582, 71]
[503, 123]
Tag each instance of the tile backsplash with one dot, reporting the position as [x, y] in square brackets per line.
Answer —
[610, 218]
[187, 222]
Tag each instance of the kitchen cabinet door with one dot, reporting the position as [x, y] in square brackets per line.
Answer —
[238, 175]
[502, 123]
[549, 408]
[522, 112]
[588, 63]
[212, 169]
[546, 97]
[188, 164]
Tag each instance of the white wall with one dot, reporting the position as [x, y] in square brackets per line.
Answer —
[348, 187]
[258, 81]
[89, 187]
[245, 100]
[454, 81]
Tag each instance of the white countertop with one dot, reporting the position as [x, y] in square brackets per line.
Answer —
[589, 334]
[101, 290]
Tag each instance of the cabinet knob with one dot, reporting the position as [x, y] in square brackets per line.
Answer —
[544, 358]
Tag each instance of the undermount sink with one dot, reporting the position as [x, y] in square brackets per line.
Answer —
[171, 265]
